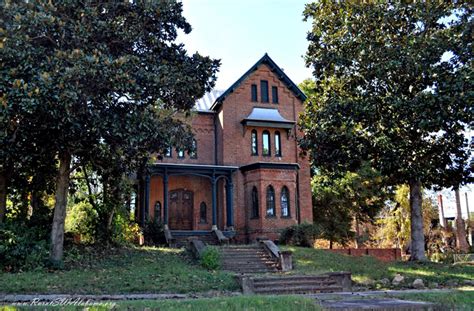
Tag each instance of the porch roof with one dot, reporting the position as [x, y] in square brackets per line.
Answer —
[181, 169]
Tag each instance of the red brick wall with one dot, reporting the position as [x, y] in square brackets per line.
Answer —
[203, 129]
[383, 254]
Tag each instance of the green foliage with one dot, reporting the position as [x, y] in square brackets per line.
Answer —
[394, 223]
[300, 235]
[112, 270]
[22, 248]
[211, 258]
[339, 199]
[384, 94]
[82, 220]
[154, 232]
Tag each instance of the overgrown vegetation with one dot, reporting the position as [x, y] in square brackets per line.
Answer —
[211, 258]
[300, 235]
[95, 270]
[369, 270]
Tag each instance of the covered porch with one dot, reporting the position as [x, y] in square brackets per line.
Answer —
[189, 197]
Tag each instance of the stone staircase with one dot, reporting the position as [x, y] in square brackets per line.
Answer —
[182, 238]
[297, 284]
[244, 259]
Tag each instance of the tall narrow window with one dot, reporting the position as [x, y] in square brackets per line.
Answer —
[193, 152]
[158, 211]
[254, 93]
[255, 212]
[266, 143]
[203, 213]
[270, 201]
[168, 152]
[285, 202]
[277, 144]
[264, 90]
[274, 95]
[180, 153]
[254, 142]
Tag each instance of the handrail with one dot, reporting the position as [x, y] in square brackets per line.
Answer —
[284, 258]
[221, 238]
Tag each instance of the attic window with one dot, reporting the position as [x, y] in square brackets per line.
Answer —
[264, 90]
[274, 95]
[254, 93]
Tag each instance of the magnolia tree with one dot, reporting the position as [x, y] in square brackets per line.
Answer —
[94, 77]
[393, 88]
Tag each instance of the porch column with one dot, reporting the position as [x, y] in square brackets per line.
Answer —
[141, 190]
[214, 201]
[147, 196]
[229, 203]
[165, 198]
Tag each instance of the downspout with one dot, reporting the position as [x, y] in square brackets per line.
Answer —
[298, 214]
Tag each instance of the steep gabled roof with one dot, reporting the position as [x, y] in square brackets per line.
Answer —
[274, 68]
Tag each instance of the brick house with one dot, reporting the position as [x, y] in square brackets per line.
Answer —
[246, 178]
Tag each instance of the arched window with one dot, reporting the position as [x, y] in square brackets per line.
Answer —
[277, 144]
[270, 201]
[254, 141]
[254, 213]
[266, 143]
[158, 211]
[203, 213]
[193, 152]
[285, 202]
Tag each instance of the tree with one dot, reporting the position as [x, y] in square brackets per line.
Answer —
[94, 70]
[386, 95]
[394, 220]
[340, 201]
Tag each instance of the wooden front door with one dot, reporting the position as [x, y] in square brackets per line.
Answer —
[181, 210]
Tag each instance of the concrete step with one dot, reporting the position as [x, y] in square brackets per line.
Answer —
[295, 283]
[303, 289]
[298, 278]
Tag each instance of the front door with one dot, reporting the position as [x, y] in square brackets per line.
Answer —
[181, 210]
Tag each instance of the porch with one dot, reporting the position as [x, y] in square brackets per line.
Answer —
[179, 196]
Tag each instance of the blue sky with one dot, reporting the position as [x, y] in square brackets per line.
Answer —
[240, 32]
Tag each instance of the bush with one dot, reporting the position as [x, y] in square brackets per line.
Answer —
[154, 232]
[21, 248]
[82, 220]
[211, 258]
[300, 235]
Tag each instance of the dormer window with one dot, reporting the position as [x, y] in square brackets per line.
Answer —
[274, 95]
[253, 92]
[264, 91]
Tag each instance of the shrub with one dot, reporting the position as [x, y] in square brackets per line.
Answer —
[154, 232]
[211, 258]
[300, 235]
[21, 248]
[82, 219]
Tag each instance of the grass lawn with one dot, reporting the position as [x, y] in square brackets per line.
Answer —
[366, 268]
[460, 299]
[250, 303]
[120, 270]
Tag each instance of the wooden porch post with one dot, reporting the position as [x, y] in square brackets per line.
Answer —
[165, 198]
[147, 196]
[214, 202]
[229, 203]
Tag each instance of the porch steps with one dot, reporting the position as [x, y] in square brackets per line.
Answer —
[244, 259]
[182, 238]
[296, 284]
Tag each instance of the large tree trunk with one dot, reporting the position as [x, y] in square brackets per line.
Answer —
[3, 195]
[62, 186]
[417, 236]
[460, 229]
